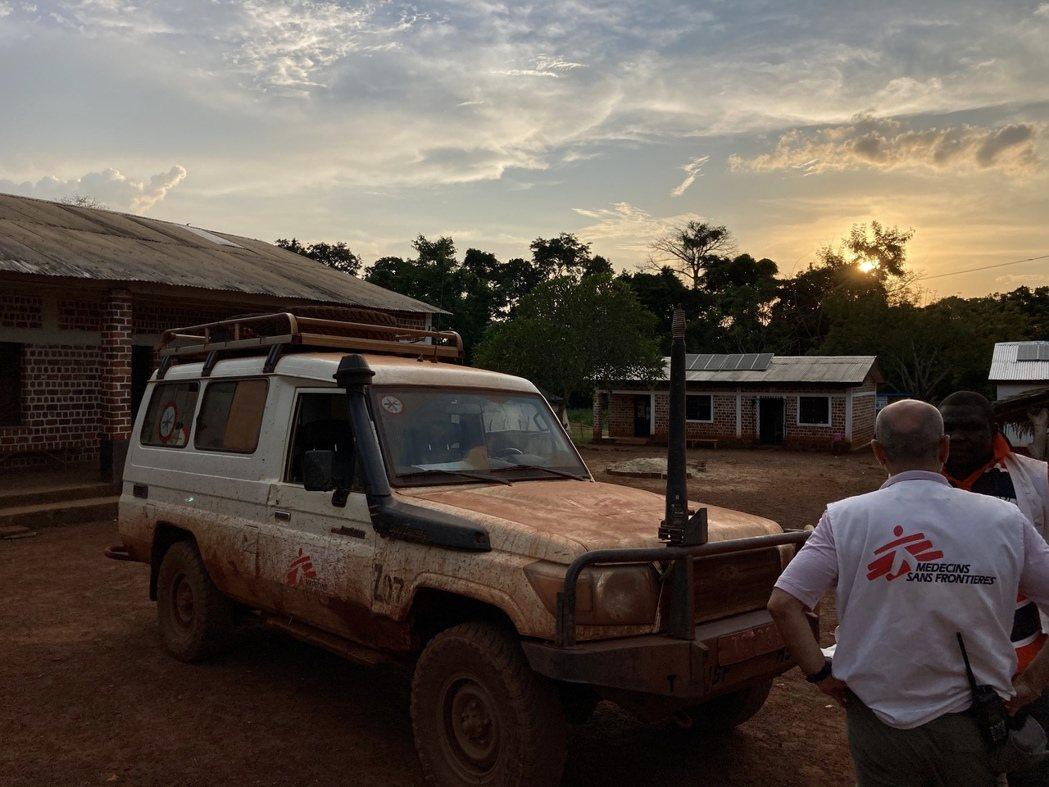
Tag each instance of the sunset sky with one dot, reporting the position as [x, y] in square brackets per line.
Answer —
[498, 122]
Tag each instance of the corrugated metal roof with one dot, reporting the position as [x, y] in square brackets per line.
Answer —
[832, 369]
[51, 239]
[1005, 366]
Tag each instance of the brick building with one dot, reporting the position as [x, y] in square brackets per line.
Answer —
[810, 401]
[85, 295]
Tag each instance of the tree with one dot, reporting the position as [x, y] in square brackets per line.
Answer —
[596, 266]
[561, 256]
[880, 250]
[335, 255]
[571, 333]
[691, 248]
[741, 293]
[864, 267]
[436, 277]
[660, 293]
[83, 201]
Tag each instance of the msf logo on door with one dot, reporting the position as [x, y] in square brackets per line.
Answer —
[895, 557]
[300, 571]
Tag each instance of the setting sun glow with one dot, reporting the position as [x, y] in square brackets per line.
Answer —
[867, 266]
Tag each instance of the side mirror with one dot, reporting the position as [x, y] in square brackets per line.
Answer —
[317, 471]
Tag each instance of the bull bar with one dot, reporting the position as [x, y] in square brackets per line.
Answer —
[680, 623]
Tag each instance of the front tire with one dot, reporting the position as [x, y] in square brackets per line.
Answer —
[195, 619]
[481, 715]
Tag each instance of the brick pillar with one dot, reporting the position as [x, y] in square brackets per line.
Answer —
[598, 416]
[115, 383]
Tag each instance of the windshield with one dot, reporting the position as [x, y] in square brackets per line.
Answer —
[452, 436]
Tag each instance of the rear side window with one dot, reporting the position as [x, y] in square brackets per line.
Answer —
[231, 416]
[169, 415]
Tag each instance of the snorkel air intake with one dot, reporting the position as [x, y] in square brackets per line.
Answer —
[678, 527]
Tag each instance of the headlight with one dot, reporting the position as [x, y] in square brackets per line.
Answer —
[605, 595]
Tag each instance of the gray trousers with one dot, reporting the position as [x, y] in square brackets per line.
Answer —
[946, 751]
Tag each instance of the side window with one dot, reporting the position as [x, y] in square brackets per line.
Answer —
[231, 416]
[321, 424]
[169, 415]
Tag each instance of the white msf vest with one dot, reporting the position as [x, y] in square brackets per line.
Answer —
[917, 562]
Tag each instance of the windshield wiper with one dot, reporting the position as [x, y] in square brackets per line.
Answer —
[461, 473]
[552, 471]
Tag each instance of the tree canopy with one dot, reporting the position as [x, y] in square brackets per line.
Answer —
[335, 255]
[570, 333]
[528, 315]
[691, 248]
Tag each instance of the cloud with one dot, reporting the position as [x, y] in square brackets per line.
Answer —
[692, 171]
[889, 144]
[1014, 280]
[283, 47]
[1042, 11]
[627, 227]
[109, 186]
[543, 66]
[294, 46]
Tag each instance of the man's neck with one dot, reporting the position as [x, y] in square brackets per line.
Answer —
[925, 468]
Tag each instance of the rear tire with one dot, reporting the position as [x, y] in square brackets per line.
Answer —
[195, 619]
[481, 715]
[723, 714]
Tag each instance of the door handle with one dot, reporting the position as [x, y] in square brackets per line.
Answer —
[282, 516]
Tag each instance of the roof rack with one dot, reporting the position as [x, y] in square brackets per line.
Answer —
[284, 330]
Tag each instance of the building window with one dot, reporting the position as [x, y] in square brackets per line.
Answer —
[170, 413]
[231, 416]
[814, 411]
[699, 407]
[10, 384]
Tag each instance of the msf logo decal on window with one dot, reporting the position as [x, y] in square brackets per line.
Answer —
[896, 555]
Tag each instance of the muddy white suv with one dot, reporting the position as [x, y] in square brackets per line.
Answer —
[357, 488]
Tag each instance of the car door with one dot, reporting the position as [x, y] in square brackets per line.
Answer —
[323, 555]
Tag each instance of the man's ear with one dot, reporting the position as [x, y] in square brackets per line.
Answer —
[879, 453]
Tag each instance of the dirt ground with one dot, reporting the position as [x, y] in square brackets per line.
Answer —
[89, 696]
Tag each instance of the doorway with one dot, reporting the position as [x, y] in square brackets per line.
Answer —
[642, 415]
[141, 371]
[771, 420]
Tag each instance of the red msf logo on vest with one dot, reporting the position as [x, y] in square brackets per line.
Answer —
[894, 555]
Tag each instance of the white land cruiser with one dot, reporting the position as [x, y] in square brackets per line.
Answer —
[357, 490]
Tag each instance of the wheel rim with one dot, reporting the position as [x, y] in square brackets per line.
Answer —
[471, 727]
[182, 601]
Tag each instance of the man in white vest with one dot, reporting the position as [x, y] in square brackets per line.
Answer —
[982, 461]
[914, 564]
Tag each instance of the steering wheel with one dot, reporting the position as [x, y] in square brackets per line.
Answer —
[509, 452]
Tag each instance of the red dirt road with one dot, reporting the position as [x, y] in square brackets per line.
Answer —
[89, 697]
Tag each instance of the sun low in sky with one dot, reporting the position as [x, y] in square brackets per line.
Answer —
[499, 122]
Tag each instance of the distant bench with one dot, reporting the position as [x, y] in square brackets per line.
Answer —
[701, 442]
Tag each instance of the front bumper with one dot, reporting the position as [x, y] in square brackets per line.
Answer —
[724, 655]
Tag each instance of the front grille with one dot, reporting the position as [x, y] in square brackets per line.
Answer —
[726, 585]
